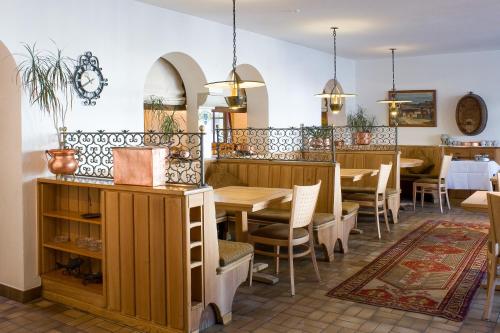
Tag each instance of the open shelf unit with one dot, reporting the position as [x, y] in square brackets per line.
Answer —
[195, 248]
[60, 214]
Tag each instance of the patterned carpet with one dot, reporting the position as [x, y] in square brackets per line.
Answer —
[434, 270]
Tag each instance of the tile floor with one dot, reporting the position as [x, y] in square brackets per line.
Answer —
[265, 308]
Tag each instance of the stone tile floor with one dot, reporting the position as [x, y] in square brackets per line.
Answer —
[263, 308]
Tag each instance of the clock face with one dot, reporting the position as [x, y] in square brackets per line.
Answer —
[88, 80]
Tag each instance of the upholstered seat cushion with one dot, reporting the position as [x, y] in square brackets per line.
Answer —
[352, 189]
[427, 181]
[271, 215]
[283, 216]
[230, 252]
[360, 196]
[349, 207]
[279, 231]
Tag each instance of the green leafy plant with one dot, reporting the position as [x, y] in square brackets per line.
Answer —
[359, 121]
[168, 122]
[47, 79]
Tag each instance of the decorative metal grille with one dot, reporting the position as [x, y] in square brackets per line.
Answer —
[287, 144]
[184, 164]
[376, 138]
[317, 144]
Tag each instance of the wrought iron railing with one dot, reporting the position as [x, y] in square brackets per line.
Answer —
[317, 144]
[381, 138]
[184, 163]
[287, 144]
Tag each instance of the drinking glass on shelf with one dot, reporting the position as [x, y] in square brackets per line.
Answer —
[83, 242]
[95, 245]
[61, 238]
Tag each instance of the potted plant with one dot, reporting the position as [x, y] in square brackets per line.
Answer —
[362, 126]
[47, 79]
[318, 137]
[167, 123]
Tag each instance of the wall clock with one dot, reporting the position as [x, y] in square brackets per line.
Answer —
[471, 114]
[87, 78]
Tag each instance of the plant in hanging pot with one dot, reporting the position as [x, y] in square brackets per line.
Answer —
[47, 80]
[361, 126]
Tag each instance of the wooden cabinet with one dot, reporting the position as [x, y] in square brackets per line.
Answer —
[152, 251]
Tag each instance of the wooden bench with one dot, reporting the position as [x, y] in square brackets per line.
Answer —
[285, 174]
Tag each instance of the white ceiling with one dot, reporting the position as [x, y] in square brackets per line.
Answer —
[367, 27]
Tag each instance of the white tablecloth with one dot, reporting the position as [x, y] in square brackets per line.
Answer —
[471, 175]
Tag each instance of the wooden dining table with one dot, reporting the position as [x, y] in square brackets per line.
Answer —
[477, 202]
[245, 199]
[410, 162]
[355, 175]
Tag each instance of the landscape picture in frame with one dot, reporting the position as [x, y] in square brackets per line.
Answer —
[421, 112]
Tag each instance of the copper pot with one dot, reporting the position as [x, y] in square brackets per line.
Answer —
[363, 138]
[62, 161]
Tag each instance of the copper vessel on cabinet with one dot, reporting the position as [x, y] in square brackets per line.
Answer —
[62, 161]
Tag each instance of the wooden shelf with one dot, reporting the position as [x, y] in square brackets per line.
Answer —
[195, 224]
[195, 244]
[57, 276]
[72, 216]
[195, 264]
[72, 248]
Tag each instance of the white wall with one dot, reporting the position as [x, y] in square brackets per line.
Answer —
[452, 75]
[128, 37]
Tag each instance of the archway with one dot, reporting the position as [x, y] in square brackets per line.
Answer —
[193, 81]
[327, 117]
[11, 175]
[257, 98]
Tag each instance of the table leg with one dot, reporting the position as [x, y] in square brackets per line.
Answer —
[241, 226]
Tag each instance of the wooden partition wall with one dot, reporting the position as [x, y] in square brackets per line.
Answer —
[153, 257]
[284, 174]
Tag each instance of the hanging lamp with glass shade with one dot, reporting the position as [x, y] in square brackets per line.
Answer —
[335, 96]
[392, 101]
[236, 100]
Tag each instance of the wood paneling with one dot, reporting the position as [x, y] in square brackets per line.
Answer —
[285, 175]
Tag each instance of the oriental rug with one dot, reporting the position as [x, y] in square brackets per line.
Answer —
[434, 270]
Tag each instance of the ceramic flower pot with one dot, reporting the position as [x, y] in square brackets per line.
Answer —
[363, 138]
[62, 161]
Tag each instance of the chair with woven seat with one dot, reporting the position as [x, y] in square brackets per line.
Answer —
[377, 199]
[493, 251]
[391, 194]
[297, 233]
[434, 186]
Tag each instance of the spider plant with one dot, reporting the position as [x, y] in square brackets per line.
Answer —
[46, 77]
[167, 120]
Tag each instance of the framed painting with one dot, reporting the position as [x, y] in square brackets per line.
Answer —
[421, 112]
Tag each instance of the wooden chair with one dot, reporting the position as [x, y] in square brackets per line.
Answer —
[297, 233]
[376, 200]
[434, 185]
[493, 251]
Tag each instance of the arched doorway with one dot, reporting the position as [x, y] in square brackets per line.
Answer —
[257, 98]
[11, 175]
[165, 72]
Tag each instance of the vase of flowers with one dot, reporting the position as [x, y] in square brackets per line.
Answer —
[46, 77]
[361, 126]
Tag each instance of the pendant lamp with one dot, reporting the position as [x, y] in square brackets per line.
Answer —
[392, 101]
[236, 99]
[335, 96]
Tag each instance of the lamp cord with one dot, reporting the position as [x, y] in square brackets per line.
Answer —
[334, 33]
[393, 81]
[234, 39]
